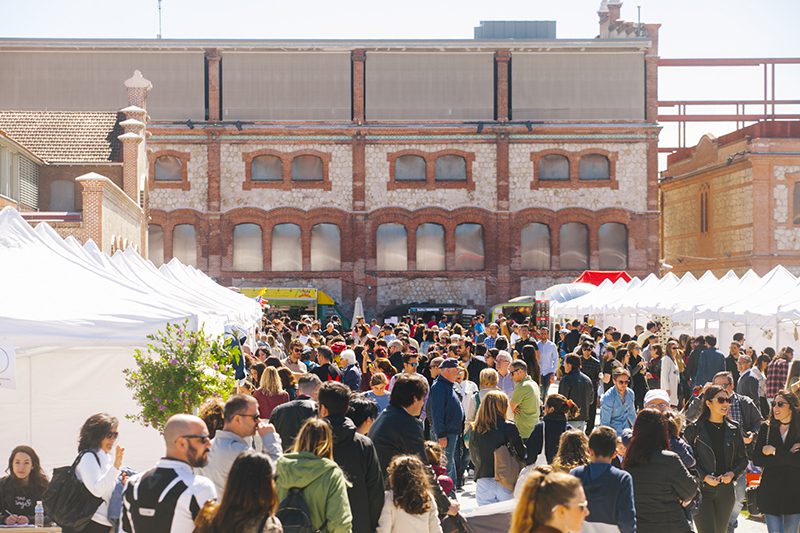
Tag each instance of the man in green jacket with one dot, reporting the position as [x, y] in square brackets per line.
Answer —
[525, 401]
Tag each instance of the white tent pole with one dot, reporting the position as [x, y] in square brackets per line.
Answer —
[30, 401]
[777, 334]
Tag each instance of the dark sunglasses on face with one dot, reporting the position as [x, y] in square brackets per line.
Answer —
[202, 438]
[780, 403]
[623, 381]
[722, 400]
[255, 417]
[112, 434]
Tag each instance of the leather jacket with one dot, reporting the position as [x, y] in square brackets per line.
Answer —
[696, 435]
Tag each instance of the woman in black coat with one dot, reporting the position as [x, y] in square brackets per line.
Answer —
[547, 432]
[777, 451]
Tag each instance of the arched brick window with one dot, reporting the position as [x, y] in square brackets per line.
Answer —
[307, 168]
[326, 247]
[451, 168]
[155, 244]
[430, 247]
[62, 195]
[553, 167]
[574, 238]
[469, 247]
[391, 247]
[287, 254]
[534, 249]
[248, 253]
[266, 168]
[613, 243]
[594, 167]
[409, 168]
[184, 244]
[168, 168]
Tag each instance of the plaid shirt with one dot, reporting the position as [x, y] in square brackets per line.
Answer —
[735, 412]
[777, 371]
[490, 342]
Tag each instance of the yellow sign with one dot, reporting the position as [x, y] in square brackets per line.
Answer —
[289, 294]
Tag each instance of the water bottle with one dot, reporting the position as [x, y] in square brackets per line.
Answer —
[39, 518]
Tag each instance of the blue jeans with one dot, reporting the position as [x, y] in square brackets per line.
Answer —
[450, 453]
[784, 523]
[487, 491]
[740, 484]
[547, 379]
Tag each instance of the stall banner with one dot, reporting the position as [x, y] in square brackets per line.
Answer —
[8, 378]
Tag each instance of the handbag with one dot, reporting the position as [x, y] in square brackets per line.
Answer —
[67, 500]
[507, 466]
[751, 499]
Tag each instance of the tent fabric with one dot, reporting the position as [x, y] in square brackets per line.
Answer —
[596, 277]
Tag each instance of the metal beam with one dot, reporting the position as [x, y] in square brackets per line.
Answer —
[725, 118]
[723, 61]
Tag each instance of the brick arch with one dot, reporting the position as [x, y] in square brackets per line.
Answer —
[538, 156]
[612, 167]
[286, 168]
[169, 219]
[231, 219]
[183, 184]
[430, 170]
[523, 218]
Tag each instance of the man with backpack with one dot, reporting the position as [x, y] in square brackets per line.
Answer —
[168, 497]
[326, 371]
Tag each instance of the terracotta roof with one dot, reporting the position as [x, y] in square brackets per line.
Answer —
[65, 136]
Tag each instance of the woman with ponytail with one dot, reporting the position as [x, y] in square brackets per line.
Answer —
[547, 433]
[550, 503]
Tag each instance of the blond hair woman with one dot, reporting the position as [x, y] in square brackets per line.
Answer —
[270, 393]
[550, 502]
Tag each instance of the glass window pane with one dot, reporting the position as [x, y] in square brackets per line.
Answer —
[535, 247]
[168, 168]
[469, 247]
[574, 246]
[451, 168]
[392, 247]
[155, 244]
[553, 167]
[184, 244]
[62, 195]
[594, 167]
[796, 203]
[307, 168]
[325, 247]
[613, 243]
[430, 247]
[247, 248]
[409, 168]
[266, 168]
[286, 251]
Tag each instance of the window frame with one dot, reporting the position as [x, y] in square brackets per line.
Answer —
[574, 159]
[430, 183]
[600, 245]
[182, 184]
[286, 183]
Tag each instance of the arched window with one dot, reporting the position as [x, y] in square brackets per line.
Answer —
[184, 244]
[248, 253]
[574, 238]
[266, 168]
[535, 247]
[168, 168]
[62, 195]
[326, 246]
[796, 203]
[307, 168]
[704, 209]
[286, 251]
[155, 244]
[391, 247]
[409, 168]
[553, 167]
[594, 167]
[430, 247]
[469, 247]
[613, 244]
[451, 168]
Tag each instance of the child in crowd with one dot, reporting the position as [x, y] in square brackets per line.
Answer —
[378, 394]
[435, 456]
[408, 504]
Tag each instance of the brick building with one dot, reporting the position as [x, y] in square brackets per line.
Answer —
[733, 202]
[455, 171]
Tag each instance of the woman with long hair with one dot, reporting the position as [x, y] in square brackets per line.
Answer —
[409, 504]
[573, 451]
[270, 393]
[777, 451]
[24, 485]
[311, 469]
[550, 502]
[490, 431]
[671, 372]
[721, 457]
[547, 432]
[249, 502]
[661, 482]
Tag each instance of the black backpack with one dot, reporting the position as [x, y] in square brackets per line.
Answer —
[294, 514]
[67, 500]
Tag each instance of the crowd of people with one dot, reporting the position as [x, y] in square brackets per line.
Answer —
[379, 427]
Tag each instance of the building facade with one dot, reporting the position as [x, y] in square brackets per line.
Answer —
[465, 172]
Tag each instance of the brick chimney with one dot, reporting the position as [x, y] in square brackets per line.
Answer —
[608, 14]
[134, 145]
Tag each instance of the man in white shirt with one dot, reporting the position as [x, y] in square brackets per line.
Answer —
[548, 360]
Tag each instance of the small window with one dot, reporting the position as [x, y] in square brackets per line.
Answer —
[451, 168]
[535, 247]
[247, 248]
[430, 247]
[307, 168]
[613, 246]
[62, 195]
[392, 247]
[553, 167]
[796, 203]
[594, 167]
[266, 168]
[168, 168]
[704, 211]
[184, 244]
[326, 247]
[409, 168]
[155, 244]
[469, 247]
[286, 252]
[574, 239]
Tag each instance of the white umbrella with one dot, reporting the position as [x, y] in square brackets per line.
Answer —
[358, 310]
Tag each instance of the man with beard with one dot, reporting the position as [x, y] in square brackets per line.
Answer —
[167, 498]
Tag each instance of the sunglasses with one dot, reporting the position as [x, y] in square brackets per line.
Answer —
[202, 438]
[413, 364]
[722, 400]
[255, 417]
[623, 381]
[112, 434]
[780, 403]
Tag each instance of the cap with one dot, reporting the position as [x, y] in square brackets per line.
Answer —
[449, 363]
[338, 346]
[656, 394]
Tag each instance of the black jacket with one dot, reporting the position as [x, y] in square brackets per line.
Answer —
[474, 370]
[547, 433]
[778, 492]
[748, 386]
[658, 489]
[396, 432]
[483, 445]
[356, 456]
[289, 417]
[696, 435]
[576, 386]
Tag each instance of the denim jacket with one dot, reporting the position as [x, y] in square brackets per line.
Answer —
[616, 412]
